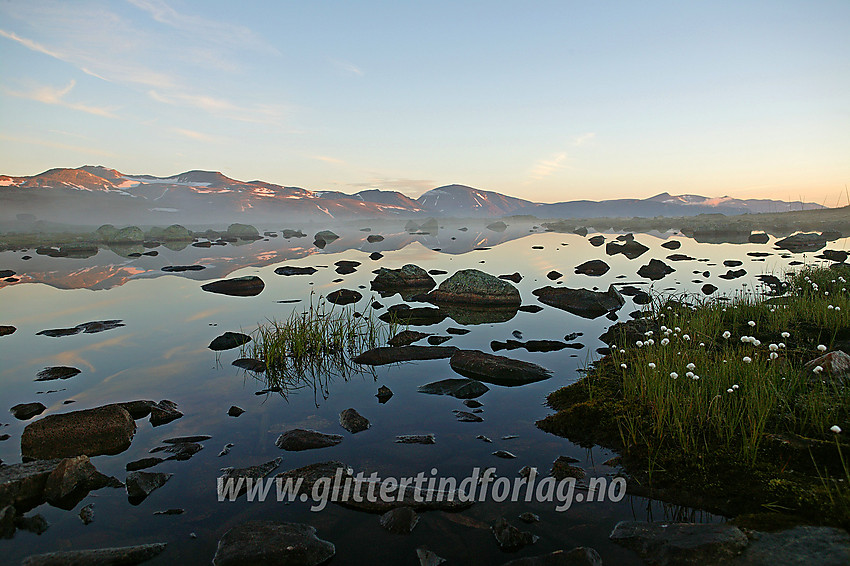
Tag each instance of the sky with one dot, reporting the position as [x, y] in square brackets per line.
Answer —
[548, 101]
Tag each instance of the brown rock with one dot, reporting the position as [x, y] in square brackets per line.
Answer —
[103, 430]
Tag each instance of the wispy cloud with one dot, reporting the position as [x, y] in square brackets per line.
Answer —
[545, 167]
[56, 97]
[197, 136]
[258, 113]
[328, 159]
[347, 67]
[30, 44]
[582, 139]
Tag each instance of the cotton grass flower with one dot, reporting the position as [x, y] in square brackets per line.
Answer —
[730, 390]
[691, 366]
[747, 360]
[817, 369]
[665, 341]
[726, 335]
[786, 335]
[821, 348]
[674, 375]
[752, 323]
[773, 355]
[624, 366]
[836, 429]
[651, 365]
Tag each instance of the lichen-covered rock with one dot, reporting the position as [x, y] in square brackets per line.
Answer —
[352, 421]
[271, 542]
[409, 276]
[243, 231]
[103, 430]
[474, 287]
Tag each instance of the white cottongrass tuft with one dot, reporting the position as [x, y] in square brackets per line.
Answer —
[747, 359]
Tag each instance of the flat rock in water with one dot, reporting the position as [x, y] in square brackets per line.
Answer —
[26, 411]
[630, 248]
[594, 268]
[758, 238]
[137, 409]
[672, 245]
[164, 412]
[406, 337]
[581, 302]
[500, 370]
[247, 286]
[708, 289]
[373, 238]
[142, 484]
[474, 287]
[384, 394]
[579, 556]
[824, 546]
[345, 267]
[86, 327]
[733, 262]
[229, 340]
[502, 453]
[515, 277]
[510, 537]
[419, 316]
[458, 388]
[235, 411]
[563, 467]
[530, 308]
[427, 557]
[303, 439]
[23, 484]
[400, 521]
[181, 268]
[56, 372]
[253, 472]
[596, 241]
[733, 274]
[294, 270]
[103, 430]
[271, 542]
[655, 270]
[681, 543]
[250, 364]
[344, 297]
[457, 331]
[467, 417]
[553, 275]
[807, 242]
[416, 439]
[390, 355]
[5, 330]
[143, 463]
[679, 257]
[352, 421]
[123, 556]
[407, 277]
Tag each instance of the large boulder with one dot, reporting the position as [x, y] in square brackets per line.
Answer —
[247, 286]
[323, 238]
[498, 370]
[835, 368]
[243, 232]
[630, 248]
[176, 233]
[23, 484]
[594, 268]
[128, 235]
[581, 302]
[655, 270]
[681, 543]
[103, 430]
[270, 542]
[805, 242]
[407, 277]
[474, 287]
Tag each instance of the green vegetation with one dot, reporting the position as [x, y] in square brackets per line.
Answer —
[709, 400]
[310, 348]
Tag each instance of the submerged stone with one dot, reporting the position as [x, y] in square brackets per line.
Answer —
[229, 340]
[500, 370]
[125, 556]
[271, 542]
[458, 388]
[303, 439]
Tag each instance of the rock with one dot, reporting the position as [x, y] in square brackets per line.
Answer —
[532, 345]
[23, 484]
[581, 302]
[229, 340]
[346, 267]
[235, 411]
[56, 372]
[802, 545]
[416, 439]
[300, 439]
[138, 409]
[143, 464]
[467, 417]
[530, 308]
[375, 256]
[103, 430]
[681, 543]
[457, 331]
[733, 262]
[733, 274]
[437, 340]
[344, 297]
[252, 472]
[835, 255]
[596, 241]
[180, 451]
[247, 286]
[679, 257]
[758, 238]
[86, 327]
[458, 388]
[594, 268]
[243, 231]
[553, 275]
[515, 277]
[26, 411]
[72, 475]
[672, 244]
[123, 556]
[87, 514]
[579, 556]
[271, 542]
[562, 468]
[630, 248]
[499, 370]
[406, 337]
[384, 394]
[7, 521]
[128, 235]
[528, 516]
[510, 537]
[36, 524]
[287, 233]
[497, 226]
[373, 238]
[484, 438]
[400, 520]
[474, 287]
[293, 270]
[181, 268]
[408, 277]
[323, 238]
[250, 364]
[472, 403]
[142, 484]
[501, 453]
[164, 412]
[419, 316]
[708, 289]
[390, 355]
[655, 270]
[427, 557]
[6, 330]
[835, 368]
[352, 421]
[805, 242]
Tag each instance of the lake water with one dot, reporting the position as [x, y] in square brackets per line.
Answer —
[161, 353]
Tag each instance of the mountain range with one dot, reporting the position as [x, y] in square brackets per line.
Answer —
[96, 194]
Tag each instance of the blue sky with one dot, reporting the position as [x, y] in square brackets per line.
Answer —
[548, 101]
